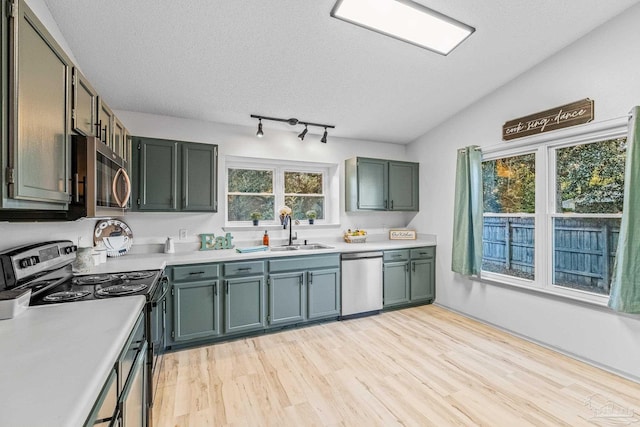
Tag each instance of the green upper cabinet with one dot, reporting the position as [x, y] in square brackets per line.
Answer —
[85, 99]
[199, 177]
[382, 185]
[403, 186]
[174, 176]
[38, 166]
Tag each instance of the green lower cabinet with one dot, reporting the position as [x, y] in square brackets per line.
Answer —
[286, 298]
[244, 304]
[422, 280]
[395, 283]
[323, 290]
[196, 310]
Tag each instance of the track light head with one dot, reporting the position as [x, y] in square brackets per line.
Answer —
[259, 134]
[303, 133]
[324, 136]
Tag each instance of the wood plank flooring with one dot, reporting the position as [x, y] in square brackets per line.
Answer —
[422, 366]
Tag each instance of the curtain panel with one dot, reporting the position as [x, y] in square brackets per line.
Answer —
[466, 257]
[625, 281]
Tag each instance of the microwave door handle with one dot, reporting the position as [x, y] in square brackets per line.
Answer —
[121, 202]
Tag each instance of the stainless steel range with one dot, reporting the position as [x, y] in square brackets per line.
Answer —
[46, 269]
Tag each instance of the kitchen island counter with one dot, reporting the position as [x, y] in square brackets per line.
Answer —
[56, 358]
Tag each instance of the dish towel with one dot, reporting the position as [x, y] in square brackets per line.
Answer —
[252, 249]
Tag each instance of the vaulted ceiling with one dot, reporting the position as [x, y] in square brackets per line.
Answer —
[221, 61]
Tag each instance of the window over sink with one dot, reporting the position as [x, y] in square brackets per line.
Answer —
[259, 187]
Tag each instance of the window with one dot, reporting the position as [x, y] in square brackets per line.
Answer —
[552, 210]
[248, 191]
[304, 192]
[588, 205]
[256, 187]
[509, 224]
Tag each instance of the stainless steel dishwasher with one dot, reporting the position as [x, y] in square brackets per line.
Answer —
[361, 283]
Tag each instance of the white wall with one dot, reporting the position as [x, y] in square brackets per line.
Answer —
[602, 66]
[150, 228]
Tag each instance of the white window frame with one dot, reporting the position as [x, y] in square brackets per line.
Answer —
[544, 148]
[280, 167]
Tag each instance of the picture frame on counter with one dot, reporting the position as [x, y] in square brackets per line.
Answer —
[402, 234]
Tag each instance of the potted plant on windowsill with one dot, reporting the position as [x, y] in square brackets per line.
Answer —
[311, 215]
[256, 216]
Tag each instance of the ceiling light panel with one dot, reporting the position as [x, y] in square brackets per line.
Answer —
[406, 21]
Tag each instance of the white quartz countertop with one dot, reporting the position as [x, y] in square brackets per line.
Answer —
[54, 359]
[157, 261]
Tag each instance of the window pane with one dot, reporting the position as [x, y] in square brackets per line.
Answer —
[508, 245]
[250, 181]
[241, 207]
[302, 183]
[509, 184]
[301, 204]
[584, 252]
[590, 177]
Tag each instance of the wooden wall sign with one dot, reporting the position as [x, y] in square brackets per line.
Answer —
[576, 113]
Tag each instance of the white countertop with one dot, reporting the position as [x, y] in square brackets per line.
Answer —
[157, 261]
[54, 359]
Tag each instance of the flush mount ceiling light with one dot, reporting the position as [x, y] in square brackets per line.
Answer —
[292, 122]
[405, 20]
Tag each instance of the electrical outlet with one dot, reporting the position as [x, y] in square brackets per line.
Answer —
[182, 234]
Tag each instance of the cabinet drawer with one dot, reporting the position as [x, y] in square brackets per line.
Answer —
[304, 263]
[400, 255]
[134, 345]
[426, 252]
[195, 272]
[243, 268]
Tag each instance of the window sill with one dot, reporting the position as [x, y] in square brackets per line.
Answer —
[582, 297]
[272, 226]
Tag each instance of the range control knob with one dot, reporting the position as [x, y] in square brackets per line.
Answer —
[69, 249]
[28, 262]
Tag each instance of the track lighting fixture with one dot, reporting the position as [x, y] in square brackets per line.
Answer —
[259, 134]
[293, 122]
[303, 133]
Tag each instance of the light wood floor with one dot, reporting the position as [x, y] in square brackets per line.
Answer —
[422, 366]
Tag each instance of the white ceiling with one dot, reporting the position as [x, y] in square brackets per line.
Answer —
[221, 61]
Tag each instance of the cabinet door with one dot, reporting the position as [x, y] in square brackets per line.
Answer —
[244, 304]
[40, 79]
[83, 115]
[286, 298]
[118, 137]
[403, 186]
[196, 310]
[105, 407]
[105, 123]
[157, 174]
[199, 177]
[396, 283]
[133, 401]
[422, 280]
[372, 184]
[323, 288]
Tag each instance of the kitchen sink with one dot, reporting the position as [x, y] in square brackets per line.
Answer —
[301, 247]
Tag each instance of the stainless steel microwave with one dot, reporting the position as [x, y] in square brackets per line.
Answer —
[100, 183]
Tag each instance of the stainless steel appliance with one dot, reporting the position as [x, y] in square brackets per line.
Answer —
[361, 283]
[45, 268]
[101, 183]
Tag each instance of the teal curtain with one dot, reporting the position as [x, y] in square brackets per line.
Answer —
[467, 213]
[625, 283]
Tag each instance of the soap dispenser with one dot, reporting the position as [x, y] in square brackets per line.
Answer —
[265, 238]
